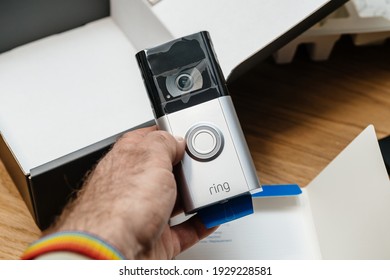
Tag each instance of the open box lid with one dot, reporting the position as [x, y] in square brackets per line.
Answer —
[67, 91]
[240, 30]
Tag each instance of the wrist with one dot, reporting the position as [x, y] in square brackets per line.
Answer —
[75, 242]
[111, 233]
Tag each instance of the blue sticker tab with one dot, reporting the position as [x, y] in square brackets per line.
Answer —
[241, 206]
[228, 211]
[278, 190]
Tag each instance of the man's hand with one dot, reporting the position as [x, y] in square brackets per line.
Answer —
[129, 197]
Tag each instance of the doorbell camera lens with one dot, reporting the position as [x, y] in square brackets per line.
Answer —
[184, 82]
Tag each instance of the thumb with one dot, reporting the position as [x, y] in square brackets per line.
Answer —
[180, 149]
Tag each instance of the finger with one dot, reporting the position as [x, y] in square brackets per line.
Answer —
[134, 137]
[178, 208]
[189, 233]
[140, 132]
[163, 142]
[180, 149]
[145, 130]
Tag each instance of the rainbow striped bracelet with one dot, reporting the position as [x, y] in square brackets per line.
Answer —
[73, 241]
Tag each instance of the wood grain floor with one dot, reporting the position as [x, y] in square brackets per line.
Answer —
[296, 119]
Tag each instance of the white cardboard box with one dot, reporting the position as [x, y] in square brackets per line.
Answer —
[64, 99]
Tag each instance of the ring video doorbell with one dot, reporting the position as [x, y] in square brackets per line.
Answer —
[190, 99]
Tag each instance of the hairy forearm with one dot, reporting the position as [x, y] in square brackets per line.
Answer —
[128, 198]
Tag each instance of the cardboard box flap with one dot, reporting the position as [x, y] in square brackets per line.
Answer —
[239, 29]
[350, 202]
[139, 23]
[64, 92]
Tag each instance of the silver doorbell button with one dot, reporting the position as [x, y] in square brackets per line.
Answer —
[204, 142]
[190, 99]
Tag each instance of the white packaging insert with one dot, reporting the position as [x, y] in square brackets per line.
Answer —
[65, 92]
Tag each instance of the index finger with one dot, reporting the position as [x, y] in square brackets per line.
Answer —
[161, 141]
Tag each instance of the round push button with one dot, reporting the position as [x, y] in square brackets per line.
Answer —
[204, 142]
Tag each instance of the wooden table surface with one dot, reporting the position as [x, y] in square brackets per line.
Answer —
[296, 118]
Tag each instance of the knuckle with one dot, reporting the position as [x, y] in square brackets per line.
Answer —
[163, 137]
[163, 141]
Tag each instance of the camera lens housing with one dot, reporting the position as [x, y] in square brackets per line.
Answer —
[184, 82]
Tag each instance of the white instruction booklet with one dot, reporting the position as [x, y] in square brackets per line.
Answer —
[341, 214]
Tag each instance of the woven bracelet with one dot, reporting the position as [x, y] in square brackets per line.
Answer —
[76, 242]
